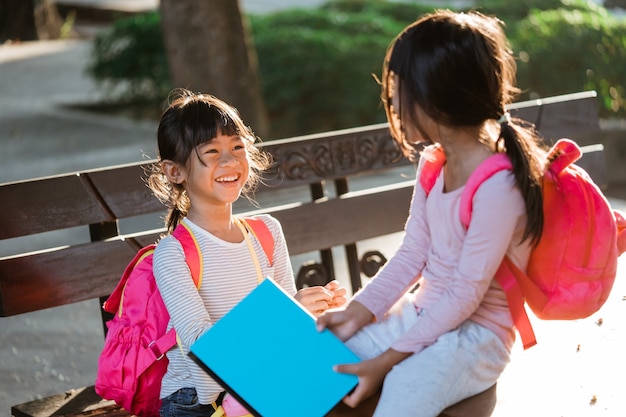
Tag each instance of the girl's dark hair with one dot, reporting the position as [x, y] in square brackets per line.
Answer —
[189, 121]
[458, 69]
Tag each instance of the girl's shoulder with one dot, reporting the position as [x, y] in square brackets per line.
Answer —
[167, 248]
[170, 242]
[274, 227]
[167, 242]
[271, 222]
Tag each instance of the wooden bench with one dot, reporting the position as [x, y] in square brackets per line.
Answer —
[329, 191]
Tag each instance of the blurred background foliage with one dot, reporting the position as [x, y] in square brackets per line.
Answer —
[318, 67]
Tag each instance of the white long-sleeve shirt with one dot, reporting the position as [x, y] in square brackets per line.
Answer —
[456, 266]
[228, 276]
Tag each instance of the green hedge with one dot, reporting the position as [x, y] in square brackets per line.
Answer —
[562, 51]
[512, 11]
[129, 60]
[317, 66]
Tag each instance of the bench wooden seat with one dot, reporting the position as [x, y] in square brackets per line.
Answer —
[85, 402]
[479, 405]
[74, 234]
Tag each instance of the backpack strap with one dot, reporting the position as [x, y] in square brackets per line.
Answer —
[434, 162]
[114, 301]
[262, 233]
[191, 248]
[193, 257]
[508, 274]
[434, 158]
[490, 166]
[620, 220]
[562, 154]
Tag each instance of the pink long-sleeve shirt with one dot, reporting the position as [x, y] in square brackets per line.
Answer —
[455, 265]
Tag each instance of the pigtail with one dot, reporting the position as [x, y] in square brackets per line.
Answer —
[173, 196]
[173, 218]
[522, 147]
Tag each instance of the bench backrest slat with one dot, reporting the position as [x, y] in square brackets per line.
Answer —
[43, 205]
[124, 191]
[58, 277]
[349, 219]
[567, 116]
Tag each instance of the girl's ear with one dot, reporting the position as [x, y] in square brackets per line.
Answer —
[175, 173]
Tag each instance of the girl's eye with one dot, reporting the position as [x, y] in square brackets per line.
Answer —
[239, 145]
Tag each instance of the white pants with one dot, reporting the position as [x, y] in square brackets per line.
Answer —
[461, 363]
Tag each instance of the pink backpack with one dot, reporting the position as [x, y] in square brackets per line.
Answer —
[133, 362]
[572, 268]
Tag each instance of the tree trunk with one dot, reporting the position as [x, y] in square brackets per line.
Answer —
[209, 51]
[29, 20]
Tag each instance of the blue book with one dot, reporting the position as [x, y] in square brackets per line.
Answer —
[268, 354]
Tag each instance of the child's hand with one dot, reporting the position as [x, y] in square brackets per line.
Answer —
[339, 294]
[345, 321]
[318, 299]
[315, 299]
[371, 374]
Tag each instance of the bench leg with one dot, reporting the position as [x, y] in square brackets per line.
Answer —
[480, 405]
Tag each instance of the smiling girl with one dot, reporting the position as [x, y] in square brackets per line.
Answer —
[207, 158]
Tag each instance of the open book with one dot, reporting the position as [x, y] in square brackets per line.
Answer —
[267, 353]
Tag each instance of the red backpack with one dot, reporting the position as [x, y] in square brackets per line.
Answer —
[133, 362]
[572, 268]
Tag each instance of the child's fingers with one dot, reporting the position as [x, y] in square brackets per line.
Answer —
[340, 292]
[318, 308]
[354, 397]
[332, 285]
[313, 294]
[324, 321]
[335, 288]
[347, 368]
[337, 301]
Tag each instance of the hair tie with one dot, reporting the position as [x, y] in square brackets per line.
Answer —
[505, 118]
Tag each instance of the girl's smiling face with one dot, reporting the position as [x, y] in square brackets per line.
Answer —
[217, 171]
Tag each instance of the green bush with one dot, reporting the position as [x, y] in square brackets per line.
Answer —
[129, 60]
[317, 66]
[514, 11]
[400, 12]
[564, 51]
